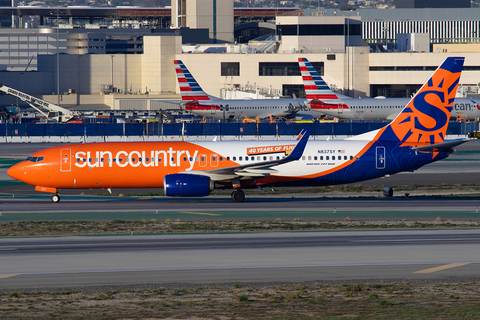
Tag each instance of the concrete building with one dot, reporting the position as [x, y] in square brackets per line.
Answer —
[142, 80]
[215, 15]
[318, 34]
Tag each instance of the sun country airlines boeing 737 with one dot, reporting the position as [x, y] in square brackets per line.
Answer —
[198, 102]
[325, 101]
[189, 169]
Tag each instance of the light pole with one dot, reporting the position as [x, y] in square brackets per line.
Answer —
[58, 65]
[348, 9]
[111, 56]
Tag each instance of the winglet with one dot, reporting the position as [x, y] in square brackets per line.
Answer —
[297, 152]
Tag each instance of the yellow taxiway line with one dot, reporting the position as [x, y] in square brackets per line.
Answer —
[7, 276]
[205, 214]
[446, 266]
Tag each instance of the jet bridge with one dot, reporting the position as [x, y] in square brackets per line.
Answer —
[49, 110]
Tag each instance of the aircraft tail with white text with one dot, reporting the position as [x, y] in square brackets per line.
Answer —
[189, 87]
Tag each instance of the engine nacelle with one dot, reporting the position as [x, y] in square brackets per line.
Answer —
[187, 185]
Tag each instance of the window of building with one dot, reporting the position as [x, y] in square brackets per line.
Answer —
[230, 69]
[354, 29]
[285, 68]
[288, 90]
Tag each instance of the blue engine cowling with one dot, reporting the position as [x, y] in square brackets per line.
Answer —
[187, 185]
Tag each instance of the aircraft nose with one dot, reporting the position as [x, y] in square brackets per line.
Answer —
[17, 171]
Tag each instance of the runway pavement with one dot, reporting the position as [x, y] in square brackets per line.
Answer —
[273, 258]
[188, 260]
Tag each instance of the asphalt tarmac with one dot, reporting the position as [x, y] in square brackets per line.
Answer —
[273, 258]
[186, 260]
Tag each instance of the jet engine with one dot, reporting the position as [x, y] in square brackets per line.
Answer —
[187, 185]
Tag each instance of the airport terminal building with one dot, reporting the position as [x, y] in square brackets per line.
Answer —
[135, 73]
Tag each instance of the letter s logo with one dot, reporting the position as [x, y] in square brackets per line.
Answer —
[429, 111]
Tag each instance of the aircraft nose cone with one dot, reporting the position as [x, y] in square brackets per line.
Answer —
[17, 171]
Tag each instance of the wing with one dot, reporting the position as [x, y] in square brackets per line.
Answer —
[258, 169]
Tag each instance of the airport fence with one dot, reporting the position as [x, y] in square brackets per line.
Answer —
[197, 131]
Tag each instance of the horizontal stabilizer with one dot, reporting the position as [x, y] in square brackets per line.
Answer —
[440, 147]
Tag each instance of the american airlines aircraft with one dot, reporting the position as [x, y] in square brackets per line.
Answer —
[192, 169]
[198, 102]
[324, 100]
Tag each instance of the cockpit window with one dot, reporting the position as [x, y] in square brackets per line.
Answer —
[34, 159]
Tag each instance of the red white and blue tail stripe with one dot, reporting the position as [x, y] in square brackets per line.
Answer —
[315, 87]
[189, 88]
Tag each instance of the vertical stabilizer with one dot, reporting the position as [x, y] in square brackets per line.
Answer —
[315, 87]
[189, 88]
[424, 120]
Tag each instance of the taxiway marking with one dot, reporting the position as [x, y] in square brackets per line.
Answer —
[200, 213]
[446, 266]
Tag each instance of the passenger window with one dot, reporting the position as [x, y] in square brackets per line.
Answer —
[240, 158]
[327, 158]
[309, 157]
[321, 157]
[159, 159]
[351, 157]
[148, 159]
[315, 158]
[246, 158]
[184, 158]
[333, 157]
[221, 158]
[303, 157]
[228, 158]
[120, 160]
[344, 157]
[264, 158]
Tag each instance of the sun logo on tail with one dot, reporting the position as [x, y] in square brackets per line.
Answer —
[425, 119]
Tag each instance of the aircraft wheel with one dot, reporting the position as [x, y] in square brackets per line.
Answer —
[238, 195]
[56, 198]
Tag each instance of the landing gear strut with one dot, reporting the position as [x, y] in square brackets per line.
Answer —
[238, 195]
[55, 198]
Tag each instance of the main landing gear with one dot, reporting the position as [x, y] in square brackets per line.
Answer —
[238, 195]
[55, 198]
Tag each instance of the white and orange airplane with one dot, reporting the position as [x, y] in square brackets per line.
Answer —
[189, 169]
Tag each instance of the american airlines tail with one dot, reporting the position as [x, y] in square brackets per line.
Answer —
[315, 87]
[424, 120]
[189, 87]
